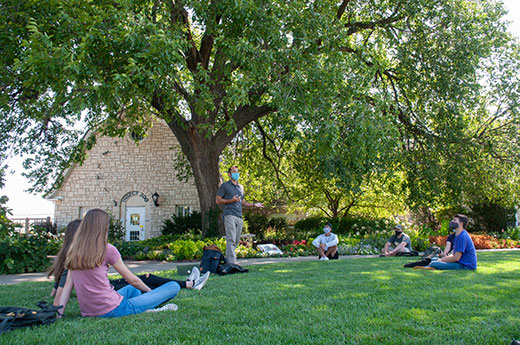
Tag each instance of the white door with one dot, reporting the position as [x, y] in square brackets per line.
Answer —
[135, 223]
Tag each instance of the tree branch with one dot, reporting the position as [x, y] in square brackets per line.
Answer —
[179, 15]
[242, 117]
[266, 156]
[342, 8]
[359, 26]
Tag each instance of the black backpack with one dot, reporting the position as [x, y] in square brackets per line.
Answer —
[432, 251]
[16, 317]
[212, 259]
[230, 269]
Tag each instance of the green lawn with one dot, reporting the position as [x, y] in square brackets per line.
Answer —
[361, 301]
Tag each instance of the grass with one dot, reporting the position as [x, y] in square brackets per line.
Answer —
[362, 301]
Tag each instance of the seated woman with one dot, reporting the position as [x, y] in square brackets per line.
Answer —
[87, 260]
[58, 267]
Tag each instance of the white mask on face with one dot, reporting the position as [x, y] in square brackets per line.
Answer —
[326, 229]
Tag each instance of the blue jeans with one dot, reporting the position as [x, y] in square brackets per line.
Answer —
[438, 265]
[135, 302]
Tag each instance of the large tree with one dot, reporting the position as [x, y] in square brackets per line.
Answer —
[209, 68]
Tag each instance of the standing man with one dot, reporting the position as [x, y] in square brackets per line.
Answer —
[397, 243]
[231, 195]
[464, 255]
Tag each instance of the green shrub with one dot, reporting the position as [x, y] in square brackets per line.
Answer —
[488, 217]
[246, 252]
[257, 224]
[54, 243]
[130, 249]
[310, 224]
[279, 223]
[116, 230]
[53, 246]
[6, 226]
[264, 227]
[140, 255]
[213, 216]
[157, 255]
[186, 249]
[182, 224]
[24, 253]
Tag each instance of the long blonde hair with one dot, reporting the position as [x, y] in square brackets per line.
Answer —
[89, 246]
[58, 266]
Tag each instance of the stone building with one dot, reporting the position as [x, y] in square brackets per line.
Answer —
[123, 176]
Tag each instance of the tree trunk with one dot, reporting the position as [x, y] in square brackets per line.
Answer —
[207, 179]
[204, 159]
[203, 154]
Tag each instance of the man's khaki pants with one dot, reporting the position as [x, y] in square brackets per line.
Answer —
[233, 227]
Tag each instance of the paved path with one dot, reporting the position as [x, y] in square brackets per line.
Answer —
[138, 267]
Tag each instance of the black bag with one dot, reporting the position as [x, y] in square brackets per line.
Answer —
[16, 317]
[423, 262]
[212, 258]
[412, 253]
[230, 269]
[432, 251]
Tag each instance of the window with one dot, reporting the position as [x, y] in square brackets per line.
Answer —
[183, 211]
[83, 211]
[134, 235]
[136, 137]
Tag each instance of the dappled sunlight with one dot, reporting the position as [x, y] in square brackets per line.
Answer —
[289, 286]
[419, 314]
[354, 294]
[283, 271]
[502, 267]
[508, 284]
[380, 275]
[321, 308]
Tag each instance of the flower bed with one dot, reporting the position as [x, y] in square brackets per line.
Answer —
[481, 242]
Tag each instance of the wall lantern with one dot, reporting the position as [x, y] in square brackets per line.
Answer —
[155, 198]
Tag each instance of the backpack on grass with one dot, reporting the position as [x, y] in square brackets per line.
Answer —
[432, 251]
[16, 317]
[230, 269]
[212, 259]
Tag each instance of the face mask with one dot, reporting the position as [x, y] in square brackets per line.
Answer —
[235, 176]
[454, 225]
[397, 233]
[326, 229]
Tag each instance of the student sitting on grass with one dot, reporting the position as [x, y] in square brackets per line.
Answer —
[433, 253]
[398, 243]
[60, 273]
[464, 255]
[327, 244]
[58, 267]
[450, 241]
[87, 261]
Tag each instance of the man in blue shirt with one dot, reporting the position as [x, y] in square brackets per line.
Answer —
[231, 195]
[464, 255]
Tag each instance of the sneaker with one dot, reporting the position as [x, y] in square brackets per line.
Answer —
[324, 258]
[195, 274]
[199, 283]
[169, 306]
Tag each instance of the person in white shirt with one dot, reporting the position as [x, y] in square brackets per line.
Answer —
[327, 244]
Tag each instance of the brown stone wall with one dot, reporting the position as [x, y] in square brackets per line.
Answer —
[117, 166]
